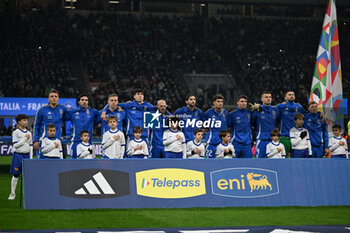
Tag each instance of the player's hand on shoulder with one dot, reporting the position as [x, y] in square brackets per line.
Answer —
[27, 136]
[36, 146]
[56, 145]
[103, 116]
[116, 137]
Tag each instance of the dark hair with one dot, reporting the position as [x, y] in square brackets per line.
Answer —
[197, 131]
[336, 127]
[285, 93]
[137, 129]
[189, 95]
[50, 126]
[20, 117]
[223, 133]
[242, 97]
[299, 116]
[265, 92]
[137, 91]
[53, 91]
[80, 96]
[84, 131]
[311, 103]
[218, 97]
[275, 132]
[174, 119]
[112, 118]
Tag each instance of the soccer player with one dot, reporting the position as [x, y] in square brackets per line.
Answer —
[82, 118]
[195, 148]
[190, 113]
[338, 145]
[51, 147]
[318, 131]
[287, 112]
[275, 149]
[137, 147]
[85, 149]
[22, 140]
[239, 121]
[174, 140]
[156, 136]
[225, 148]
[264, 119]
[218, 116]
[53, 113]
[112, 110]
[113, 141]
[300, 140]
[134, 114]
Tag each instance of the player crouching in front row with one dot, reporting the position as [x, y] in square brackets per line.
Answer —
[51, 146]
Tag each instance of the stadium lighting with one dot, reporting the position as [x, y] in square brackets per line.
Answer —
[114, 2]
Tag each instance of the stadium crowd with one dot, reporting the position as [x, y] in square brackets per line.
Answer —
[121, 53]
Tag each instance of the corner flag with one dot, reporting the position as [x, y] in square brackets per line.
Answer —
[326, 88]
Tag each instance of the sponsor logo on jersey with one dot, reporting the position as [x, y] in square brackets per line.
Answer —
[244, 182]
[94, 183]
[170, 183]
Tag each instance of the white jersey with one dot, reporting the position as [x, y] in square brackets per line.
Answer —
[191, 145]
[49, 149]
[297, 142]
[272, 153]
[172, 144]
[83, 151]
[21, 144]
[337, 149]
[113, 149]
[134, 143]
[220, 151]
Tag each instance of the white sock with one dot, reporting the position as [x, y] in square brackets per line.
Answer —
[14, 184]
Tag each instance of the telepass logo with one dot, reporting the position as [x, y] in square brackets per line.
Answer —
[244, 182]
[170, 183]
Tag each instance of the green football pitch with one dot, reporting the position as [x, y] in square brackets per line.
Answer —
[13, 217]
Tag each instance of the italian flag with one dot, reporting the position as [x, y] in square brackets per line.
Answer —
[144, 183]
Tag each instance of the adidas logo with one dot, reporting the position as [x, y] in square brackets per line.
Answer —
[92, 189]
[94, 183]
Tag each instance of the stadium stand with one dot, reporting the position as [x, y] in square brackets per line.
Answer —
[118, 53]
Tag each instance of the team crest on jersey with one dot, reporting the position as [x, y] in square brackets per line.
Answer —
[145, 108]
[61, 111]
[248, 115]
[196, 114]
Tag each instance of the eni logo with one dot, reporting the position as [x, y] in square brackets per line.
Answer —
[244, 182]
[255, 184]
[170, 183]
